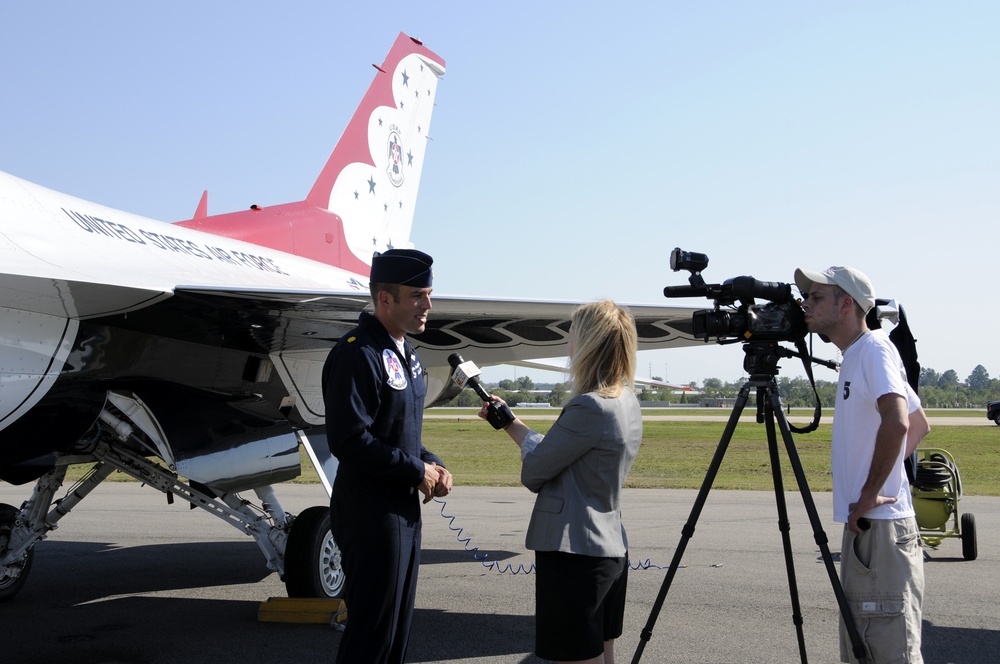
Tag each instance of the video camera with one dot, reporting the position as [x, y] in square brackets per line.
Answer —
[780, 319]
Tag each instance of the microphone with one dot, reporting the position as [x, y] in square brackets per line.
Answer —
[465, 375]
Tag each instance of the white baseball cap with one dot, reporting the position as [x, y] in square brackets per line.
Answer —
[854, 282]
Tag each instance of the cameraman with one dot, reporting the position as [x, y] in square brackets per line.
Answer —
[881, 564]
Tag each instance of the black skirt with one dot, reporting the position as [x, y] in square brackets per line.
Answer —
[579, 604]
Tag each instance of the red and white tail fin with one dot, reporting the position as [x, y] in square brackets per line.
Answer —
[364, 198]
[371, 179]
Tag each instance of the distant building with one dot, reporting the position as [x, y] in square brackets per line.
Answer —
[717, 402]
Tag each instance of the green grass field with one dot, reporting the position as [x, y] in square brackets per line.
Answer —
[676, 455]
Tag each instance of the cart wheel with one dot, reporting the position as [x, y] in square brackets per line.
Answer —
[969, 548]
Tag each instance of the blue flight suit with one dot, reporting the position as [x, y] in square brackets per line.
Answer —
[374, 411]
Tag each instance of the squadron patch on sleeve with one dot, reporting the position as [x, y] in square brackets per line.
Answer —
[393, 367]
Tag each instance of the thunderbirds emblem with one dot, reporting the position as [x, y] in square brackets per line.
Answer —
[395, 169]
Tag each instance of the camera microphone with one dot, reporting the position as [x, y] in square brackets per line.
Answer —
[684, 291]
[465, 375]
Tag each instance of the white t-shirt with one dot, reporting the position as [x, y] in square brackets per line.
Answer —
[912, 398]
[871, 368]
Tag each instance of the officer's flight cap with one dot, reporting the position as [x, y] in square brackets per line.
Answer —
[407, 267]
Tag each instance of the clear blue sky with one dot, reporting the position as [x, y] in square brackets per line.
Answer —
[574, 145]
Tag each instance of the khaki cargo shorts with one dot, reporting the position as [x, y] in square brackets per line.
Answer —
[882, 572]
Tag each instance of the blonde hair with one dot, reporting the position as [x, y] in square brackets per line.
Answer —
[604, 344]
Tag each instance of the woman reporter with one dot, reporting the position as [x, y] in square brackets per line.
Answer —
[578, 469]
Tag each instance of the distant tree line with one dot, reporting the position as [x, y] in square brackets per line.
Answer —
[937, 390]
[514, 392]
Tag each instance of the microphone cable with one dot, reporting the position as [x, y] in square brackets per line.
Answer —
[505, 568]
[492, 565]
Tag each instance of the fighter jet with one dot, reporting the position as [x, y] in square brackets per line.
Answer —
[188, 354]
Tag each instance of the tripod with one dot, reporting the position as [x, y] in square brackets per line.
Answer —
[761, 364]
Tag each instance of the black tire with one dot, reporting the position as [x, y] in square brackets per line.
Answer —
[997, 420]
[970, 550]
[312, 557]
[10, 585]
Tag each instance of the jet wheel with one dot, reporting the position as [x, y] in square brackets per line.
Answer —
[10, 584]
[312, 558]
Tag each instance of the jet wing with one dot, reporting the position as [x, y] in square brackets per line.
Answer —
[501, 331]
[491, 331]
[297, 329]
[561, 367]
[498, 331]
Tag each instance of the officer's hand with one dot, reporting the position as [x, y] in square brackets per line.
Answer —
[432, 475]
[443, 487]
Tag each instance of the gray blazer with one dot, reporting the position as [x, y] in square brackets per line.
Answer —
[578, 470]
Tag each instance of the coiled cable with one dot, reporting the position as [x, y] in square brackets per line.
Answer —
[492, 565]
[505, 568]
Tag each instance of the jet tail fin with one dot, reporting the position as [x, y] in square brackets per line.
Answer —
[364, 198]
[374, 171]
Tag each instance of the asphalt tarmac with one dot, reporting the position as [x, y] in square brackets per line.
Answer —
[127, 578]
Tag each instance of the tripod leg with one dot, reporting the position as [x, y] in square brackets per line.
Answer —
[784, 525]
[819, 534]
[688, 530]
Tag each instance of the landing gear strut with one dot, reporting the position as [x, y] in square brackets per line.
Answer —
[300, 549]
